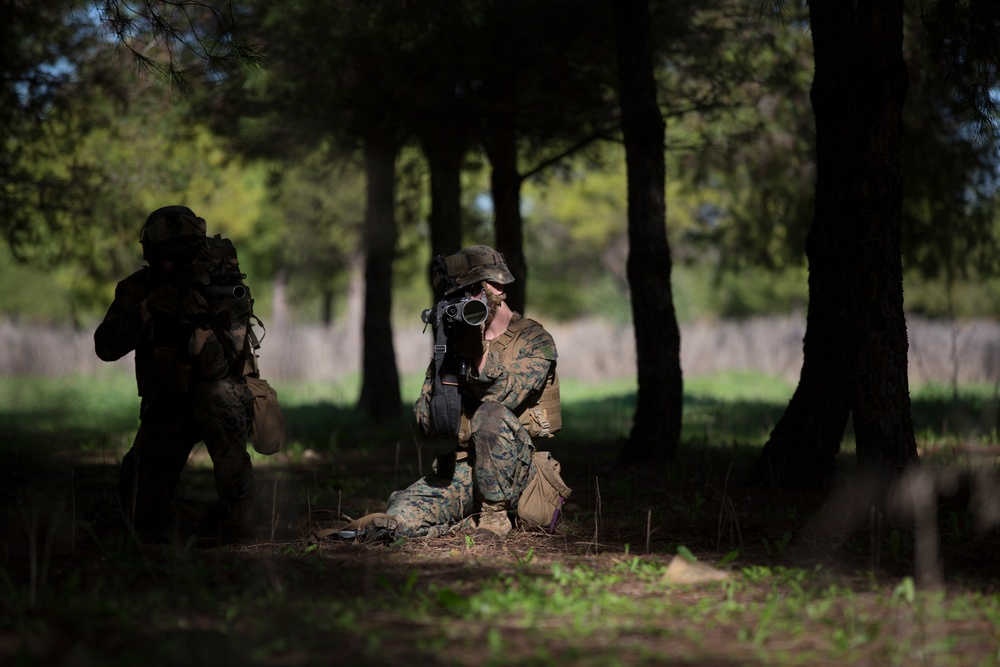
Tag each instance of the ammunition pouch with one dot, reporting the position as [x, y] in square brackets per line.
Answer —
[544, 419]
[464, 429]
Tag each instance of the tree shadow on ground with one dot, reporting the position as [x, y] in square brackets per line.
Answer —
[80, 585]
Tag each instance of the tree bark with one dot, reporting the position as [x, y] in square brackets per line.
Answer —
[855, 345]
[655, 435]
[883, 421]
[505, 184]
[380, 396]
[444, 159]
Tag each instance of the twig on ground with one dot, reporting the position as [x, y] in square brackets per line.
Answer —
[274, 507]
[649, 519]
[597, 514]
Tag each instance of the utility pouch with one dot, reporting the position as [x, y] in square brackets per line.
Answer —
[268, 428]
[544, 419]
[464, 429]
[540, 505]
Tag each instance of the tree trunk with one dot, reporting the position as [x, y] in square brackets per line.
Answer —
[326, 307]
[883, 422]
[656, 428]
[380, 396]
[855, 344]
[444, 158]
[505, 183]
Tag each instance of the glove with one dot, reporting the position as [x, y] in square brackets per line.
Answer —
[165, 300]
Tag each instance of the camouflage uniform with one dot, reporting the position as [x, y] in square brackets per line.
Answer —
[188, 394]
[497, 445]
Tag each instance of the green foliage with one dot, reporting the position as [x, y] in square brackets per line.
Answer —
[974, 296]
[101, 148]
[31, 293]
[315, 210]
[951, 220]
[179, 44]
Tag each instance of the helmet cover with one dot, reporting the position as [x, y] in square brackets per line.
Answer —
[475, 264]
[171, 230]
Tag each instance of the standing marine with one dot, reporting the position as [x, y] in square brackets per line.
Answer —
[186, 315]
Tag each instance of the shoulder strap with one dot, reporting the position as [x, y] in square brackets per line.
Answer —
[446, 402]
[514, 328]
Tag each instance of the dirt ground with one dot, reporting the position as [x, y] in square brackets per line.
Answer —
[64, 547]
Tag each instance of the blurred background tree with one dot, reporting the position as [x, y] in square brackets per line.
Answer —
[271, 156]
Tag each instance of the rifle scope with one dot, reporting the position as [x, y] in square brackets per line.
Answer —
[471, 311]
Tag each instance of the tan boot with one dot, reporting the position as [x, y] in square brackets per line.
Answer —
[493, 522]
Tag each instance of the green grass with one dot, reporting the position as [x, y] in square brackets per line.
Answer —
[94, 410]
[735, 407]
[306, 604]
[75, 589]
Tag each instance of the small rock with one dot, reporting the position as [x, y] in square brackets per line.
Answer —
[680, 571]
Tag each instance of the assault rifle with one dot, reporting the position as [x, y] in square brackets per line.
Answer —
[217, 292]
[174, 330]
[214, 286]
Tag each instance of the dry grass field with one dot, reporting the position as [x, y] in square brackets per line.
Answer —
[589, 350]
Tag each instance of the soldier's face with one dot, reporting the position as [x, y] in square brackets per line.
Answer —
[493, 288]
[494, 298]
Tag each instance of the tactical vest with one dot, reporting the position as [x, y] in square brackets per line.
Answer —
[543, 419]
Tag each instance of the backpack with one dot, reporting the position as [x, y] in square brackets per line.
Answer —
[219, 273]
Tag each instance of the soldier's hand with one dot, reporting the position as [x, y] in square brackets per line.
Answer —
[195, 303]
[165, 300]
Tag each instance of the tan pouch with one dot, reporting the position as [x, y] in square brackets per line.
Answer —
[268, 428]
[540, 506]
[544, 420]
[464, 429]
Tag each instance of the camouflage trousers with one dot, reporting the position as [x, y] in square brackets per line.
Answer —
[217, 412]
[497, 470]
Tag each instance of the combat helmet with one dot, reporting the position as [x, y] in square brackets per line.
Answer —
[475, 264]
[170, 231]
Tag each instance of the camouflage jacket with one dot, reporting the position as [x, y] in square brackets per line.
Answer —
[518, 385]
[223, 331]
